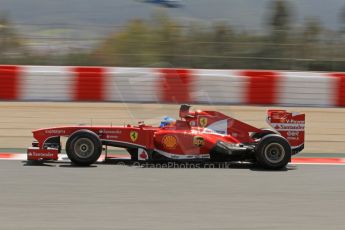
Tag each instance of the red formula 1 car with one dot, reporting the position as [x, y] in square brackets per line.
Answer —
[196, 136]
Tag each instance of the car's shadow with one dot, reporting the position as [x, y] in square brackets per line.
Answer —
[55, 164]
[76, 166]
[39, 163]
[161, 165]
[196, 165]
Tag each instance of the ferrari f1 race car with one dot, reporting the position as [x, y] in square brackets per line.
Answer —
[195, 136]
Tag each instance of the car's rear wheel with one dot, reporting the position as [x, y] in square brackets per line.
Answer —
[273, 152]
[83, 148]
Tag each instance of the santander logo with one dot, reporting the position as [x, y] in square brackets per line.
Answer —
[288, 126]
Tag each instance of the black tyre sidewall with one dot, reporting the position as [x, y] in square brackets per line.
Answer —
[260, 154]
[84, 161]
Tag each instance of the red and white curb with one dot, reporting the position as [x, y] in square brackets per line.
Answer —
[210, 86]
[318, 161]
[62, 157]
[295, 161]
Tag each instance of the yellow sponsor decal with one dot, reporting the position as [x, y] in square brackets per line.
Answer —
[198, 141]
[169, 141]
[133, 135]
[203, 121]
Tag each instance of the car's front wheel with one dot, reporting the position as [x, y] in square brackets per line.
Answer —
[273, 152]
[83, 147]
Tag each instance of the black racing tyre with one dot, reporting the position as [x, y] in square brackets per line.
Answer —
[83, 148]
[273, 152]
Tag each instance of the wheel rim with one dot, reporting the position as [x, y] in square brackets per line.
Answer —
[84, 148]
[274, 153]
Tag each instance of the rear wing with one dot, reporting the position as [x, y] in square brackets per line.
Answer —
[290, 125]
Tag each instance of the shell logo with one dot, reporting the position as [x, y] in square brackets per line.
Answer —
[169, 142]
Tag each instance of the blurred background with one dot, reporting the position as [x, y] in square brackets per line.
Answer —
[218, 34]
[224, 55]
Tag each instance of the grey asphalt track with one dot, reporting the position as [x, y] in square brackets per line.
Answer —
[59, 196]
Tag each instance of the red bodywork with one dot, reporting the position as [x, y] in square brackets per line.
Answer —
[191, 137]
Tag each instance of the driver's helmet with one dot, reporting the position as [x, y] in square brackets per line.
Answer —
[167, 121]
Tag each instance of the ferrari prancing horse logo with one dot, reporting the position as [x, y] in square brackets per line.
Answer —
[203, 121]
[133, 135]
